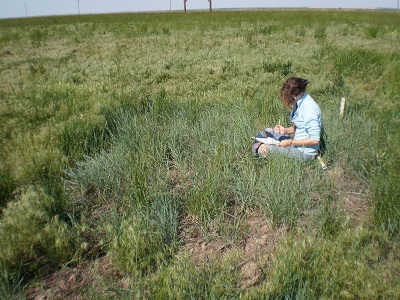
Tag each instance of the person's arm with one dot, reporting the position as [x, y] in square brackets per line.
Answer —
[301, 143]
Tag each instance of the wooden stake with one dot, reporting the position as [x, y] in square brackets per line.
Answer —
[342, 104]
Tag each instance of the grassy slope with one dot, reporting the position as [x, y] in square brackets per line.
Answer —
[125, 155]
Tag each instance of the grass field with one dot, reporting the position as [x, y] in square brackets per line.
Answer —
[125, 162]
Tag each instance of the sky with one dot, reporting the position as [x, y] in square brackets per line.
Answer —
[33, 8]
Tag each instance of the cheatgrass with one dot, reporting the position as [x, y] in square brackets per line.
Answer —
[117, 129]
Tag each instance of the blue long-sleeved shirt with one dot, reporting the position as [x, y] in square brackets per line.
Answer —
[308, 121]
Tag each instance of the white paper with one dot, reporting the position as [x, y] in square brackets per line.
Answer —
[267, 140]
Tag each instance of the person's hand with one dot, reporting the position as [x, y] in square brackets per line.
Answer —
[279, 129]
[285, 143]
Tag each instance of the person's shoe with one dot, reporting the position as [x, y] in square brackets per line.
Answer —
[255, 147]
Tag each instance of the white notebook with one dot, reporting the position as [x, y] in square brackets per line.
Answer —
[267, 140]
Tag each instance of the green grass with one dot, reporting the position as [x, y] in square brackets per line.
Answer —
[351, 266]
[118, 129]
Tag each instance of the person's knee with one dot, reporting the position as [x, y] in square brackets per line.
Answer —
[260, 149]
[263, 150]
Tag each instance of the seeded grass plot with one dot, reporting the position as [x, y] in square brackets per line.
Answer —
[126, 168]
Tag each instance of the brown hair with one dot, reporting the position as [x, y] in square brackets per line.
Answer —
[292, 87]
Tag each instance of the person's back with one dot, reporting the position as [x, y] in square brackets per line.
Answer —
[308, 121]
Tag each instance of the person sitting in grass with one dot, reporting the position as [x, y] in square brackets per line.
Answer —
[303, 138]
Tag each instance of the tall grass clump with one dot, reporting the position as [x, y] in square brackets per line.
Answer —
[371, 32]
[31, 229]
[185, 279]
[83, 137]
[137, 245]
[164, 213]
[367, 61]
[320, 33]
[285, 190]
[385, 175]
[385, 194]
[11, 283]
[126, 178]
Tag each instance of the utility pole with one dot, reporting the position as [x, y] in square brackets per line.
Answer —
[184, 5]
[26, 11]
[210, 5]
[79, 10]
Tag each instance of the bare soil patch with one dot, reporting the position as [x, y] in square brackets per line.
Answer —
[257, 246]
[74, 283]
